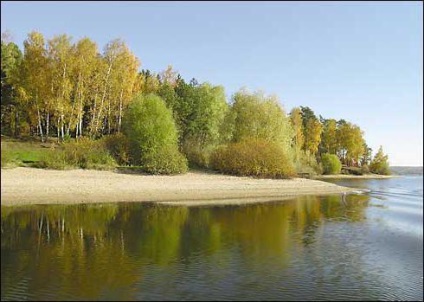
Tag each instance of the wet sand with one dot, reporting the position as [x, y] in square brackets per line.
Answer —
[20, 186]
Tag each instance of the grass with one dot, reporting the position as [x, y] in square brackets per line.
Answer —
[84, 154]
[22, 154]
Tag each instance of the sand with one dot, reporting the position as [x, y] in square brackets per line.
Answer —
[20, 186]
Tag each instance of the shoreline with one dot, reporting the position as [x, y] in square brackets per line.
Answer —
[351, 176]
[24, 186]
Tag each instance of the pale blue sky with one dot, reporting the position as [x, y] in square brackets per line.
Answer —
[361, 61]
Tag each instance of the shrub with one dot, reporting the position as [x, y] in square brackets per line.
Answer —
[198, 156]
[307, 163]
[331, 164]
[84, 153]
[352, 170]
[55, 160]
[118, 147]
[365, 169]
[152, 135]
[380, 168]
[253, 157]
[165, 161]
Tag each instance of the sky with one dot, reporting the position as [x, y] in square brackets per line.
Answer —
[360, 61]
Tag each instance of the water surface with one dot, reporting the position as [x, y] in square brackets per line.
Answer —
[362, 247]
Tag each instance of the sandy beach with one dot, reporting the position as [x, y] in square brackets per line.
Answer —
[21, 186]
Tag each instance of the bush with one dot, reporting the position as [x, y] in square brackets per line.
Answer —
[331, 164]
[253, 157]
[56, 160]
[307, 163]
[352, 171]
[153, 136]
[198, 157]
[365, 169]
[166, 161]
[118, 147]
[380, 168]
[84, 153]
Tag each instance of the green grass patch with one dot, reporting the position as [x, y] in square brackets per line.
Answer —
[85, 154]
[22, 154]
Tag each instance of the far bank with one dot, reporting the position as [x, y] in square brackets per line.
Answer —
[351, 176]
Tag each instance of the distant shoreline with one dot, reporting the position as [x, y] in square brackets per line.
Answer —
[351, 176]
[23, 186]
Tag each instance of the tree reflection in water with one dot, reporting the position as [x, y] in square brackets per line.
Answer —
[102, 250]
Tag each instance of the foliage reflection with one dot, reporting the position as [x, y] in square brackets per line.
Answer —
[95, 251]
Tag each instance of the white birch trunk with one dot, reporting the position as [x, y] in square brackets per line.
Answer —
[39, 125]
[120, 111]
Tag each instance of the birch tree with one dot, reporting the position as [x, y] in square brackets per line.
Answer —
[61, 65]
[329, 136]
[34, 90]
[123, 86]
[85, 55]
[312, 129]
[296, 122]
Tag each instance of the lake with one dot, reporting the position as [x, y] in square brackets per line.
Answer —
[361, 247]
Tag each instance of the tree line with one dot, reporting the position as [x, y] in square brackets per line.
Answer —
[162, 122]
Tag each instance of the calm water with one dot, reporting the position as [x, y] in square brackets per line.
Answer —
[366, 247]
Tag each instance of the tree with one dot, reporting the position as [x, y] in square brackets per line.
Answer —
[208, 112]
[153, 136]
[11, 58]
[85, 54]
[34, 84]
[61, 63]
[113, 85]
[331, 163]
[380, 164]
[329, 136]
[182, 106]
[168, 76]
[147, 82]
[351, 143]
[123, 79]
[312, 129]
[366, 156]
[260, 117]
[168, 94]
[202, 133]
[296, 121]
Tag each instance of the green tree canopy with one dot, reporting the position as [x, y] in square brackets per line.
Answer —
[258, 116]
[380, 164]
[11, 58]
[312, 129]
[331, 164]
[153, 136]
[297, 124]
[351, 143]
[329, 136]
